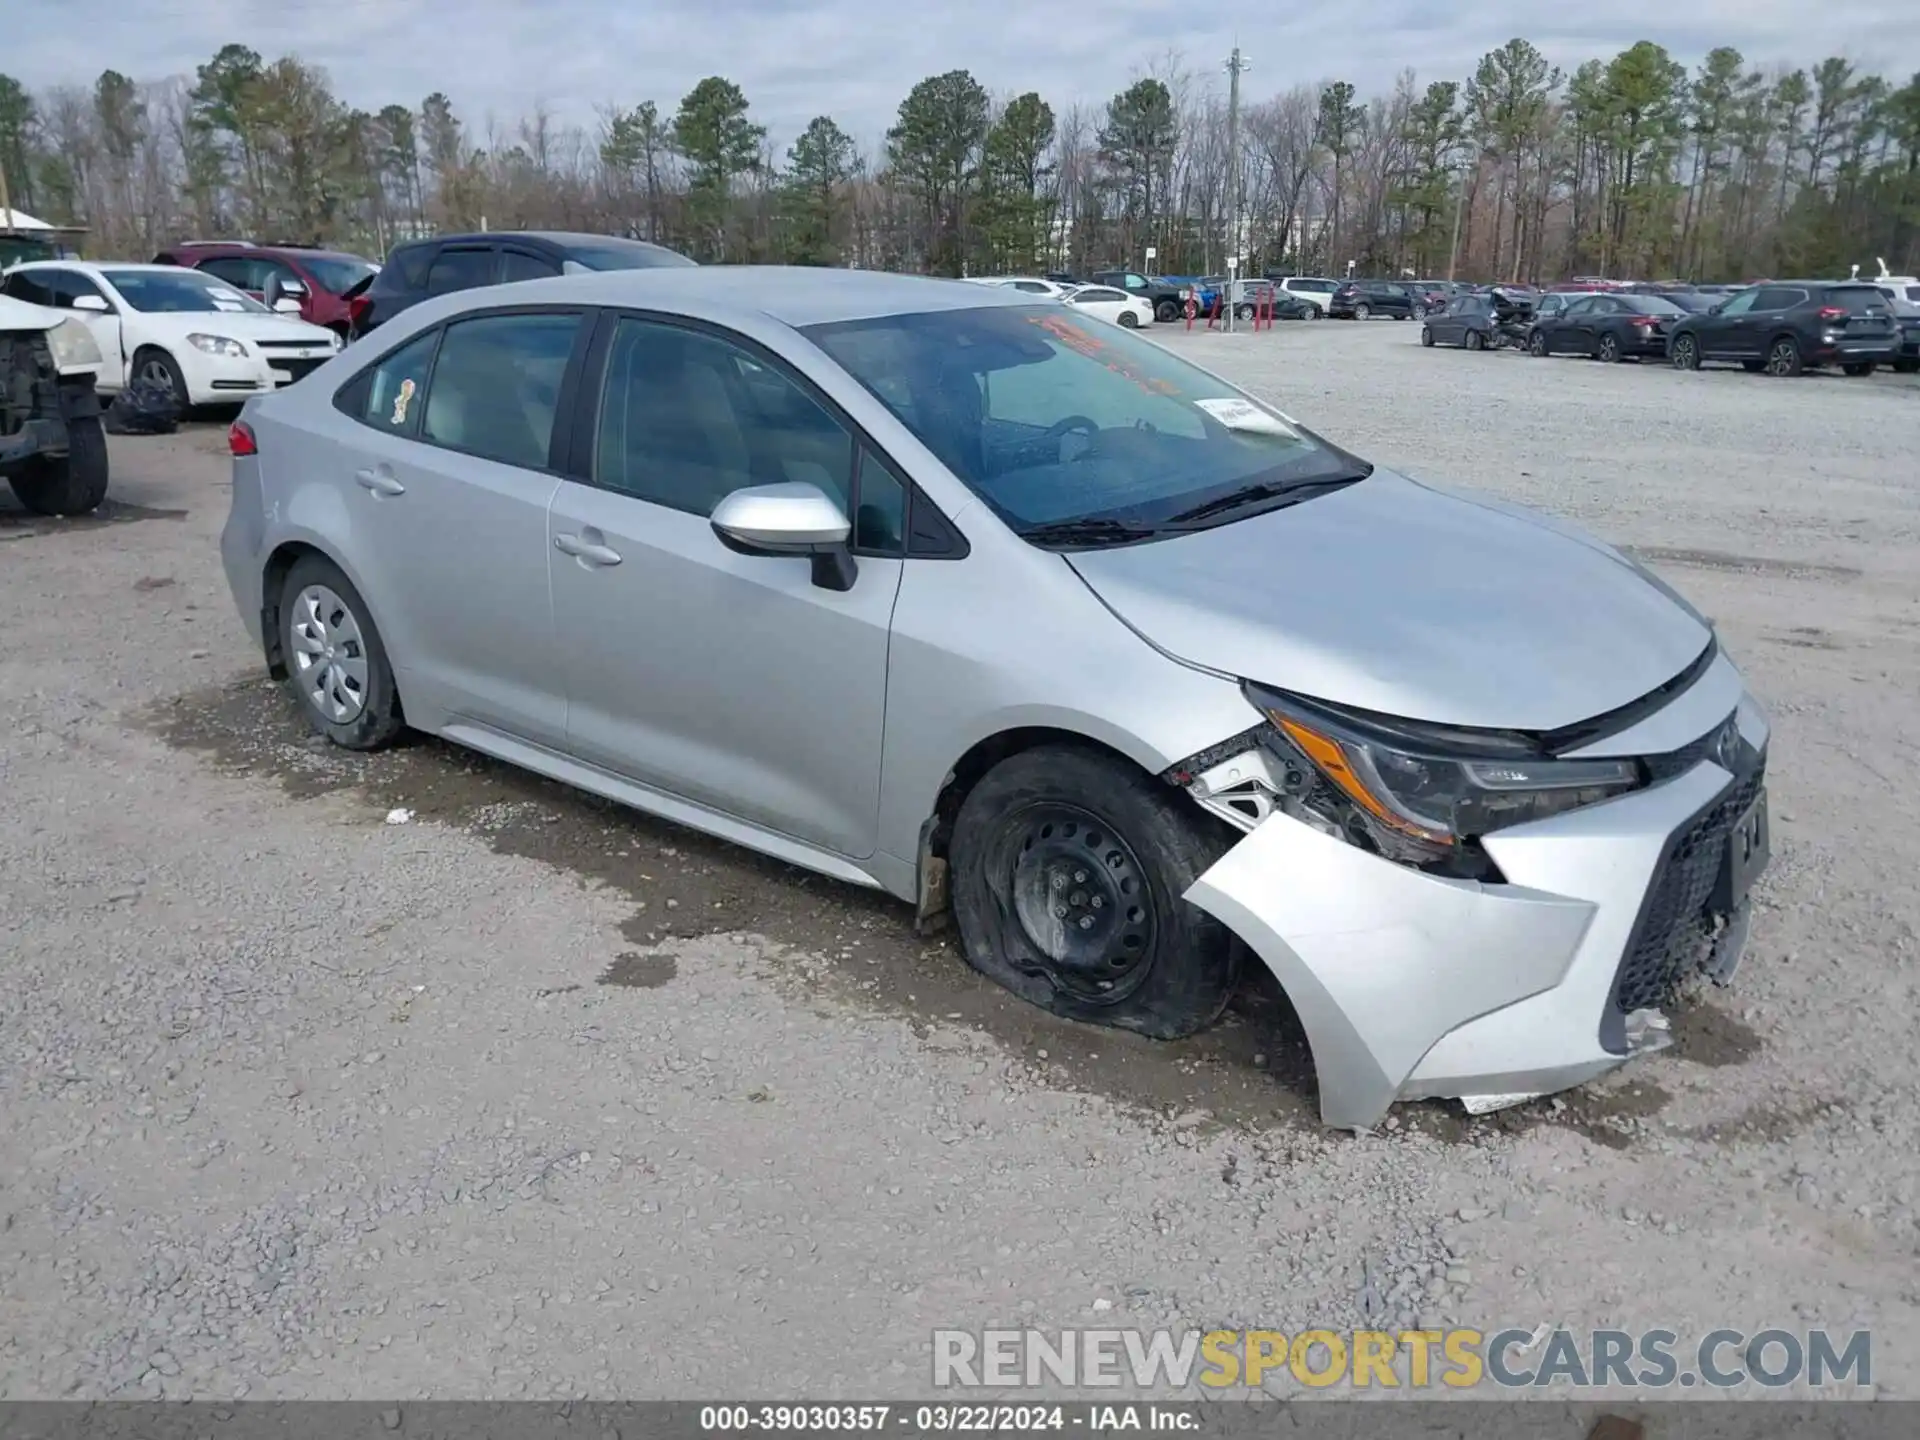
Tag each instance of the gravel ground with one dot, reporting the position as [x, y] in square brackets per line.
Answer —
[528, 1096]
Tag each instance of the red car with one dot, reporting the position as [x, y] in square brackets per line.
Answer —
[317, 278]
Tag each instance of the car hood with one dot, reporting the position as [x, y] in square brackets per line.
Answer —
[1411, 601]
[19, 315]
[241, 325]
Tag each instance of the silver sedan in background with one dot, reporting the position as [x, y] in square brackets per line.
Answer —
[1021, 618]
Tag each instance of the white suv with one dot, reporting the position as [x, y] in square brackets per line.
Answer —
[1314, 289]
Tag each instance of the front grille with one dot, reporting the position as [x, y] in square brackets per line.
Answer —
[1676, 925]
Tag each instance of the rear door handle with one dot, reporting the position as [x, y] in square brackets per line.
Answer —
[586, 551]
[379, 482]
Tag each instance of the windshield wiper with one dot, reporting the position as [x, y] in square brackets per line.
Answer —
[1290, 493]
[1090, 532]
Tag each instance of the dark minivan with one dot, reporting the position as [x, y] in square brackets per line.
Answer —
[1784, 326]
[421, 269]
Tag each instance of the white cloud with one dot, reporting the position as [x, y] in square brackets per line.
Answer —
[856, 59]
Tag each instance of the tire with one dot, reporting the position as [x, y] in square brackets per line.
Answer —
[320, 607]
[1426, 336]
[1783, 358]
[1475, 340]
[1537, 345]
[1161, 966]
[1129, 320]
[153, 363]
[1608, 352]
[1863, 367]
[1167, 311]
[72, 485]
[1243, 312]
[1362, 312]
[1684, 353]
[1316, 312]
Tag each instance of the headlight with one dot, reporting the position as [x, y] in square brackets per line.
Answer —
[1435, 787]
[73, 346]
[218, 345]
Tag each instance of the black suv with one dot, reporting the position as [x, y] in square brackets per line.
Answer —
[1168, 299]
[1786, 325]
[1360, 299]
[420, 269]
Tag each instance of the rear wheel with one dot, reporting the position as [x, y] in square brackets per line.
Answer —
[1243, 312]
[1609, 351]
[1685, 353]
[1167, 311]
[1475, 340]
[1537, 345]
[336, 664]
[1783, 357]
[72, 485]
[1069, 868]
[1130, 320]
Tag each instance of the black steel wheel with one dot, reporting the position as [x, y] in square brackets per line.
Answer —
[1069, 871]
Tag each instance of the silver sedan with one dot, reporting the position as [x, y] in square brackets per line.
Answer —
[1026, 621]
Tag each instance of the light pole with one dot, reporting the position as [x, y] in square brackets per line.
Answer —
[1236, 65]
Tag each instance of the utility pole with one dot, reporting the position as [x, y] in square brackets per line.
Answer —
[1459, 204]
[1236, 64]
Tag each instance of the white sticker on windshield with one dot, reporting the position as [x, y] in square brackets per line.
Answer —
[1245, 415]
[220, 292]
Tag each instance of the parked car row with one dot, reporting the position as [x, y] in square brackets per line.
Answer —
[1780, 327]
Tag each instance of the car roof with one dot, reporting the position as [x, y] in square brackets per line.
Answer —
[794, 295]
[94, 267]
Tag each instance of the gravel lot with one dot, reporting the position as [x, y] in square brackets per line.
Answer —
[531, 1096]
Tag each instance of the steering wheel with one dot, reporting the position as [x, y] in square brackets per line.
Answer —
[1060, 428]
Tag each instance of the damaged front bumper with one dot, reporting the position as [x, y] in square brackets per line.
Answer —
[1412, 985]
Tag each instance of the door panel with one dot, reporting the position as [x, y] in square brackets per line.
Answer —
[730, 680]
[459, 539]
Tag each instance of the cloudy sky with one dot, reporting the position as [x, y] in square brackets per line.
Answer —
[855, 59]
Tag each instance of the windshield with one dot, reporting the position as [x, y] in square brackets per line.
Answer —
[633, 255]
[178, 291]
[337, 274]
[1052, 417]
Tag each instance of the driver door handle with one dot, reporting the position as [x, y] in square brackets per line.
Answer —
[379, 482]
[586, 551]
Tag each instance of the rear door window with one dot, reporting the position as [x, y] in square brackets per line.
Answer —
[459, 269]
[236, 270]
[388, 396]
[496, 386]
[524, 265]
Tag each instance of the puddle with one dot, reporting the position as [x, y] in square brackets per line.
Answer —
[1711, 1037]
[1745, 564]
[1249, 1072]
[24, 525]
[635, 971]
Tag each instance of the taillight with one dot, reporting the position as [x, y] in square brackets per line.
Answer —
[1645, 320]
[240, 439]
[1833, 312]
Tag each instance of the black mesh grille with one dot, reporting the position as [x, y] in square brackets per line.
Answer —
[1676, 924]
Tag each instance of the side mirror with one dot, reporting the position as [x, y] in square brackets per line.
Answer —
[286, 305]
[95, 303]
[789, 519]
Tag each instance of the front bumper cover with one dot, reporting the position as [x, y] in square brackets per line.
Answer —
[1411, 985]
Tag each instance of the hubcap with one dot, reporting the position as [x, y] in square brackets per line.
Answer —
[155, 372]
[329, 656]
[1782, 359]
[1608, 349]
[1081, 898]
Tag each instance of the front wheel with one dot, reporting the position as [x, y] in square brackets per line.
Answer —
[1167, 311]
[1475, 340]
[1537, 345]
[1783, 359]
[1426, 335]
[154, 366]
[1069, 867]
[337, 667]
[72, 485]
[1243, 312]
[1685, 353]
